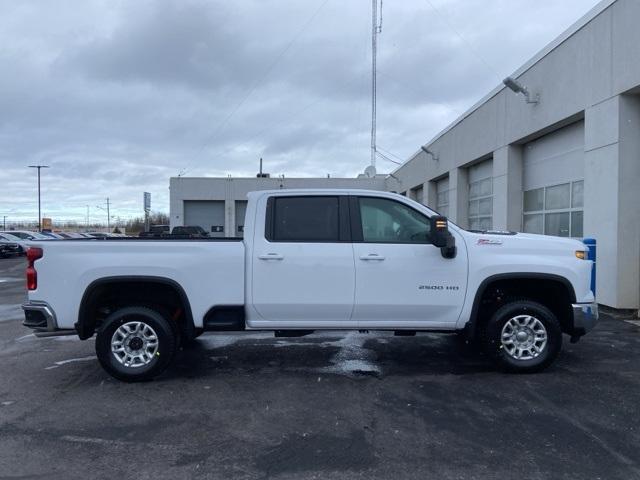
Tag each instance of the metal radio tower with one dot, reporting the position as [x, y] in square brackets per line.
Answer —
[376, 28]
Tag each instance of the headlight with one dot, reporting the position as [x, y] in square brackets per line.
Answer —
[581, 254]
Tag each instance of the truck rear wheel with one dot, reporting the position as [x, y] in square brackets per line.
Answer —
[523, 336]
[136, 344]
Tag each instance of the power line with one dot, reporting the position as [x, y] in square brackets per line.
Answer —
[257, 83]
[281, 123]
[381, 155]
[390, 153]
[461, 37]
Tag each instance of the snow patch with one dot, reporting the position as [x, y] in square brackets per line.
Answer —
[71, 360]
[352, 358]
[219, 341]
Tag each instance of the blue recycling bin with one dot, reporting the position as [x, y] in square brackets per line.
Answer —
[591, 255]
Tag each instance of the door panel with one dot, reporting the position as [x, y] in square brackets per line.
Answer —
[403, 281]
[303, 274]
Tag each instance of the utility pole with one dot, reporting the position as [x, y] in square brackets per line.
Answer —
[87, 218]
[108, 213]
[39, 214]
[4, 222]
[376, 28]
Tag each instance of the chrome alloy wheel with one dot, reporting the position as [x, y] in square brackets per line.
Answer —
[524, 337]
[134, 344]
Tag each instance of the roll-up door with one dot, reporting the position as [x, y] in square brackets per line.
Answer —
[208, 214]
[553, 183]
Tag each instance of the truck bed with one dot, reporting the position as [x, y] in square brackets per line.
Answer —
[69, 267]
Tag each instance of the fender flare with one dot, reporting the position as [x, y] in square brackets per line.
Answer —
[86, 328]
[471, 325]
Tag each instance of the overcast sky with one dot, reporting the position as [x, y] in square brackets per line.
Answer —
[117, 96]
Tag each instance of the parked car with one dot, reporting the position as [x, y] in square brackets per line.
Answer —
[8, 238]
[190, 232]
[155, 231]
[53, 235]
[9, 249]
[316, 260]
[27, 235]
[97, 234]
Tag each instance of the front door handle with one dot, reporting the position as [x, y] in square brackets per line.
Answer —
[271, 256]
[371, 256]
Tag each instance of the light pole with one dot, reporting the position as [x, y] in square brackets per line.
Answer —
[39, 215]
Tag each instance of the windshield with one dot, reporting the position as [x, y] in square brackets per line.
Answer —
[8, 236]
[38, 236]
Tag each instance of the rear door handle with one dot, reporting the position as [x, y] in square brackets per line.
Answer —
[271, 256]
[371, 256]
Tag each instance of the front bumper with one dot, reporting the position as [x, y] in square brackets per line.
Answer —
[585, 317]
[42, 319]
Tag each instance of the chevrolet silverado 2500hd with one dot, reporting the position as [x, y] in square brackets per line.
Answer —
[315, 260]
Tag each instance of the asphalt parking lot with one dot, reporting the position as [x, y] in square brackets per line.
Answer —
[334, 405]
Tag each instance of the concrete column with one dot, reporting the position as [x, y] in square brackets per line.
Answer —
[611, 213]
[229, 217]
[459, 196]
[629, 203]
[176, 208]
[229, 209]
[507, 188]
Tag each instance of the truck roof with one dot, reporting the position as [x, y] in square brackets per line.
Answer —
[322, 191]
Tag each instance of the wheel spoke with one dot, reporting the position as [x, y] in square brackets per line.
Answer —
[523, 337]
[134, 344]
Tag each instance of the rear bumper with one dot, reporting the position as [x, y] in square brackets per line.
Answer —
[585, 317]
[42, 319]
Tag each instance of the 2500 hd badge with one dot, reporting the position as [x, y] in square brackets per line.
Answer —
[438, 287]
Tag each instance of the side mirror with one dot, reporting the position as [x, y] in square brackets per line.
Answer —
[439, 231]
[441, 237]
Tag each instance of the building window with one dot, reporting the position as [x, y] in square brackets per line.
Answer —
[481, 204]
[555, 210]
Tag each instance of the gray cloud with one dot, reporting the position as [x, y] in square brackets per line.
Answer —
[118, 96]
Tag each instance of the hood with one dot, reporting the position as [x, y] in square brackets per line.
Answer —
[534, 243]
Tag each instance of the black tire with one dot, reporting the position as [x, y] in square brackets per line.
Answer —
[167, 344]
[492, 337]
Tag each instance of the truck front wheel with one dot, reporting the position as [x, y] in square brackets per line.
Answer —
[135, 344]
[523, 336]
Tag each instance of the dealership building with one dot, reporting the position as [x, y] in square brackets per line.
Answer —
[556, 153]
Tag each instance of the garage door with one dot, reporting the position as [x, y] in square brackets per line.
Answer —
[207, 214]
[553, 183]
[481, 196]
[241, 210]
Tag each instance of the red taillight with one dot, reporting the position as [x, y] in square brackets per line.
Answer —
[33, 254]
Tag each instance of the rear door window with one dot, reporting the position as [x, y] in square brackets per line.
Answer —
[305, 219]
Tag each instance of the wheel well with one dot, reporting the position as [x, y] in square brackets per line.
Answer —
[104, 296]
[555, 293]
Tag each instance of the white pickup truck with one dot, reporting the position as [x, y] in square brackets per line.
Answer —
[315, 260]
